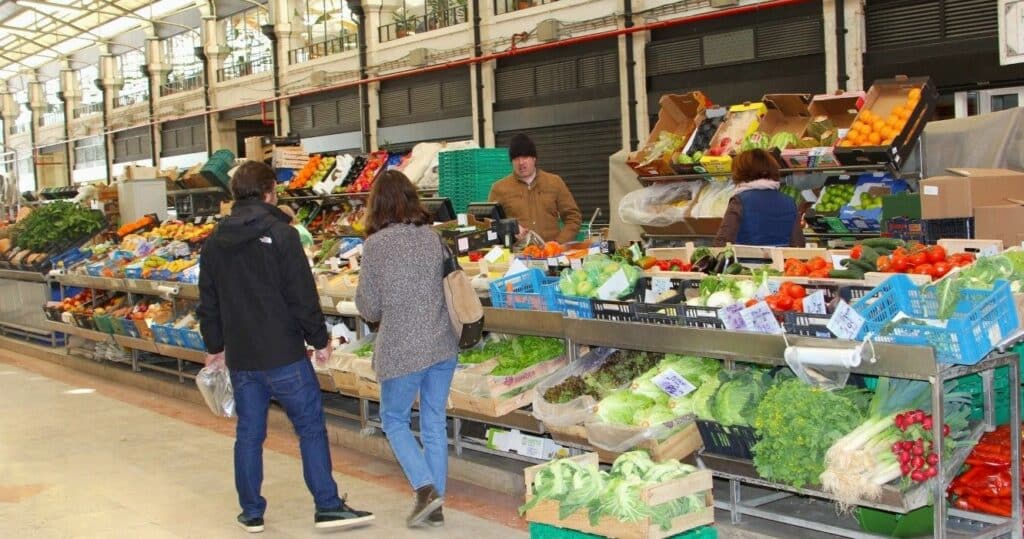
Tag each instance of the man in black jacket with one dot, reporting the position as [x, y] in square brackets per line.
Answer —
[258, 307]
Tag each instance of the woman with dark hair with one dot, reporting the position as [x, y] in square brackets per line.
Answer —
[758, 214]
[416, 349]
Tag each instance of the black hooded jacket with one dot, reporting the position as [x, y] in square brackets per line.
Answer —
[257, 298]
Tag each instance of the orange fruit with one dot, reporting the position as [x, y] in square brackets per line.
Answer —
[915, 94]
[846, 143]
[857, 124]
[887, 142]
[875, 139]
[878, 125]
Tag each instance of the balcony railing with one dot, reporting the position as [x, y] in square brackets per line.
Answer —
[86, 109]
[54, 115]
[18, 129]
[426, 21]
[234, 70]
[191, 82]
[508, 6]
[345, 42]
[127, 100]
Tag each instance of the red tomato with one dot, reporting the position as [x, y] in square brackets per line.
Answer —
[923, 269]
[940, 269]
[936, 254]
[899, 263]
[883, 263]
[784, 303]
[918, 258]
[796, 291]
[856, 252]
[816, 263]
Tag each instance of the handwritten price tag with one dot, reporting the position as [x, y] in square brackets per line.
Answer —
[815, 303]
[672, 383]
[660, 285]
[760, 318]
[845, 322]
[731, 317]
[837, 261]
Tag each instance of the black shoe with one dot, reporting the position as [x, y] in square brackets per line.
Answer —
[427, 500]
[341, 517]
[436, 519]
[250, 524]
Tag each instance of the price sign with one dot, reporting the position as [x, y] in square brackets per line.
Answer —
[634, 249]
[563, 260]
[553, 262]
[576, 263]
[672, 383]
[731, 317]
[660, 285]
[760, 318]
[199, 220]
[764, 291]
[463, 244]
[837, 261]
[815, 303]
[613, 286]
[515, 267]
[494, 254]
[990, 250]
[845, 322]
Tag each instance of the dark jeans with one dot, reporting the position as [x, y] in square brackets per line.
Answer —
[296, 388]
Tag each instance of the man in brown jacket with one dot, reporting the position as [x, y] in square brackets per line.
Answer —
[538, 199]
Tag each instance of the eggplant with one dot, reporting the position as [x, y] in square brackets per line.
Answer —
[725, 258]
[704, 264]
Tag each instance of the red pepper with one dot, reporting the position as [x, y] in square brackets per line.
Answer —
[663, 265]
[991, 506]
[675, 265]
[962, 503]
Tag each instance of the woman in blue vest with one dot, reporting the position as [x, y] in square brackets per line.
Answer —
[758, 214]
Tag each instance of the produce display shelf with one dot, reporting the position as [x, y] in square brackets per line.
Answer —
[177, 352]
[892, 499]
[77, 331]
[19, 275]
[136, 344]
[783, 171]
[88, 281]
[521, 322]
[517, 419]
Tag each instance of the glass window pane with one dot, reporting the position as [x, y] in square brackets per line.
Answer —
[1004, 101]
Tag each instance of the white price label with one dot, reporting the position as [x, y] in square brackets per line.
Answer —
[613, 286]
[809, 195]
[596, 250]
[516, 266]
[576, 263]
[731, 317]
[845, 322]
[563, 260]
[760, 318]
[672, 383]
[990, 250]
[553, 262]
[660, 285]
[492, 235]
[494, 254]
[334, 263]
[837, 261]
[773, 286]
[815, 303]
[463, 244]
[764, 291]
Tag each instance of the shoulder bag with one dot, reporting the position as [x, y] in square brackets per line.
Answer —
[464, 307]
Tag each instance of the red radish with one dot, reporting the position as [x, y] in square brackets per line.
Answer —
[945, 430]
[905, 469]
[933, 459]
[916, 463]
[932, 472]
[927, 423]
[918, 476]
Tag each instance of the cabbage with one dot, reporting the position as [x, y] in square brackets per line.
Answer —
[701, 398]
[634, 463]
[587, 485]
[745, 290]
[620, 406]
[720, 299]
[621, 499]
[737, 398]
[655, 415]
[713, 200]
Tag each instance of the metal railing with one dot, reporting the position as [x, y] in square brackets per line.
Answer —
[54, 115]
[18, 129]
[233, 70]
[191, 82]
[423, 22]
[86, 109]
[345, 42]
[508, 6]
[127, 100]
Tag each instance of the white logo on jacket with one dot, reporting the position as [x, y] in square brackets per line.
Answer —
[266, 239]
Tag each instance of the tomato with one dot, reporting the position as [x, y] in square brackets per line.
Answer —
[940, 269]
[899, 263]
[883, 263]
[816, 263]
[856, 252]
[899, 251]
[922, 269]
[802, 271]
[819, 274]
[796, 291]
[798, 306]
[773, 302]
[784, 303]
[936, 254]
[918, 258]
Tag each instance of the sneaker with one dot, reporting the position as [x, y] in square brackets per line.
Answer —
[341, 517]
[427, 500]
[250, 524]
[436, 519]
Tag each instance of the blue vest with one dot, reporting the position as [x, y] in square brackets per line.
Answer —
[768, 218]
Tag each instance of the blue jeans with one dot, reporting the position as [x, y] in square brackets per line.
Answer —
[294, 386]
[429, 465]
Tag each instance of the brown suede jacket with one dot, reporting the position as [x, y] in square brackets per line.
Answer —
[540, 205]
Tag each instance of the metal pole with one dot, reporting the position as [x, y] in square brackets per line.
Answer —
[630, 125]
[1014, 368]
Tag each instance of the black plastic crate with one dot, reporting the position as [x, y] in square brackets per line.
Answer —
[702, 317]
[730, 441]
[816, 325]
[937, 229]
[668, 312]
[905, 229]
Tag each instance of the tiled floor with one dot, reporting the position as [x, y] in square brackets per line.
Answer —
[116, 462]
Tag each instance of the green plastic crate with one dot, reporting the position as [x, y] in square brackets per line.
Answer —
[466, 176]
[913, 524]
[103, 323]
[901, 205]
[544, 531]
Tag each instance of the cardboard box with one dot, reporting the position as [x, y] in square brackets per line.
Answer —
[882, 99]
[785, 113]
[1000, 222]
[678, 114]
[135, 172]
[741, 121]
[841, 109]
[958, 194]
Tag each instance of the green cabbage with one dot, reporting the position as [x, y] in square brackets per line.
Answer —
[655, 415]
[620, 406]
[737, 398]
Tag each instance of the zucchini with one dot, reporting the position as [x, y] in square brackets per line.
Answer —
[860, 265]
[851, 273]
[888, 243]
[734, 269]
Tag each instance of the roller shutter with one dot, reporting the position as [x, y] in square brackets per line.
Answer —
[132, 145]
[325, 113]
[180, 137]
[424, 98]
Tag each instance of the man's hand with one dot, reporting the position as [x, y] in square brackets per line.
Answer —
[215, 360]
[322, 355]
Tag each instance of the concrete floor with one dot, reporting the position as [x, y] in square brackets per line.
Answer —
[81, 457]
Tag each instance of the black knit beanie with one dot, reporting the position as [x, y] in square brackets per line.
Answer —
[521, 146]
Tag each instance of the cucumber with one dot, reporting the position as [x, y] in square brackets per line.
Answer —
[859, 265]
[846, 274]
[888, 243]
[869, 255]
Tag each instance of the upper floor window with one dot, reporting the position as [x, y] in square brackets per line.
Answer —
[135, 87]
[186, 69]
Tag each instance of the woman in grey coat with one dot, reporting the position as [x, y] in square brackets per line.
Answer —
[415, 351]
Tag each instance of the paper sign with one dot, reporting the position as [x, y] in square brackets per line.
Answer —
[990, 250]
[809, 195]
[845, 322]
[494, 254]
[634, 249]
[576, 263]
[515, 267]
[660, 285]
[492, 235]
[334, 262]
[531, 446]
[672, 383]
[837, 261]
[760, 318]
[463, 244]
[563, 260]
[553, 262]
[931, 190]
[763, 291]
[773, 286]
[815, 303]
[613, 286]
[596, 250]
[731, 317]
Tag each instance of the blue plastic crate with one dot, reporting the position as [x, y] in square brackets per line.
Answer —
[191, 338]
[983, 318]
[130, 329]
[285, 174]
[530, 290]
[575, 306]
[164, 334]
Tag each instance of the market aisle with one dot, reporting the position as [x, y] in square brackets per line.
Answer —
[120, 462]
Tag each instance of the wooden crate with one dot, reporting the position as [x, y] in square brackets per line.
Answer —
[326, 381]
[475, 391]
[346, 382]
[368, 389]
[677, 446]
[488, 406]
[577, 435]
[974, 247]
[546, 512]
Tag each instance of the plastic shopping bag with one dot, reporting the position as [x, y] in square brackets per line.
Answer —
[215, 386]
[660, 204]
